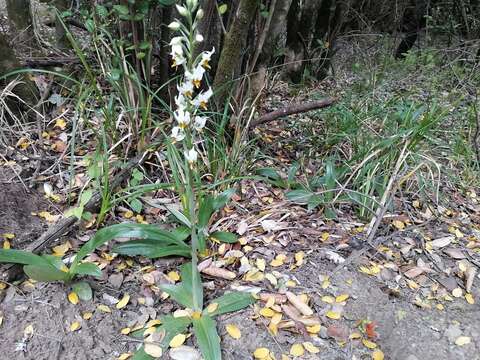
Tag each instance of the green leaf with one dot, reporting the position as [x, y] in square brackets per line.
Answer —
[136, 205]
[21, 257]
[181, 233]
[205, 211]
[87, 268]
[83, 290]
[141, 231]
[90, 25]
[222, 9]
[314, 201]
[224, 236]
[121, 9]
[205, 330]
[183, 292]
[231, 302]
[150, 248]
[269, 173]
[222, 199]
[179, 216]
[45, 273]
[85, 197]
[142, 355]
[299, 196]
[166, 2]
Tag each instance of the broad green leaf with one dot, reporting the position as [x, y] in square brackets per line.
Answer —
[141, 355]
[205, 211]
[150, 248]
[179, 293]
[141, 231]
[299, 196]
[231, 302]
[224, 236]
[205, 330]
[269, 173]
[87, 269]
[181, 233]
[45, 272]
[83, 290]
[136, 205]
[21, 257]
[222, 199]
[179, 216]
[314, 201]
[193, 285]
[121, 9]
[85, 197]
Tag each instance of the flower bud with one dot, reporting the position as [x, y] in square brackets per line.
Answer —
[191, 4]
[200, 14]
[198, 38]
[182, 10]
[174, 26]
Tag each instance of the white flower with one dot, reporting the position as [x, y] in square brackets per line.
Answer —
[202, 99]
[182, 10]
[181, 102]
[206, 57]
[182, 117]
[200, 14]
[196, 76]
[198, 38]
[177, 40]
[175, 25]
[178, 134]
[191, 155]
[186, 89]
[177, 55]
[199, 122]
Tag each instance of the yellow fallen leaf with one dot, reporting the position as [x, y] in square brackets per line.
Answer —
[276, 318]
[299, 304]
[276, 263]
[355, 335]
[261, 353]
[149, 331]
[128, 214]
[3, 285]
[270, 301]
[6, 244]
[125, 331]
[325, 283]
[153, 350]
[123, 302]
[28, 331]
[297, 350]
[73, 298]
[233, 331]
[273, 328]
[177, 340]
[60, 250]
[271, 278]
[212, 307]
[104, 308]
[312, 349]
[342, 298]
[174, 276]
[463, 340]
[75, 326]
[469, 298]
[291, 283]
[372, 270]
[124, 356]
[266, 312]
[440, 307]
[400, 225]
[314, 329]
[8, 236]
[369, 344]
[87, 315]
[60, 123]
[457, 292]
[260, 263]
[378, 355]
[299, 258]
[328, 299]
[325, 236]
[152, 323]
[333, 315]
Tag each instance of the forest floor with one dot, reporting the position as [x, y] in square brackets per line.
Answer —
[412, 293]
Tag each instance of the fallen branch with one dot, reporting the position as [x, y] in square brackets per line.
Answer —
[293, 109]
[10, 272]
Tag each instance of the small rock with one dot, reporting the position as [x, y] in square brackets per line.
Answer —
[116, 280]
[452, 333]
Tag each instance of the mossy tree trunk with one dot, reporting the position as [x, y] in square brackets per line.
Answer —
[26, 90]
[234, 42]
[20, 18]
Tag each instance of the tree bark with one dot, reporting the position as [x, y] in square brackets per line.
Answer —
[234, 42]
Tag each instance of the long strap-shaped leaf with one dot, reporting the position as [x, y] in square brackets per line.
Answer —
[208, 340]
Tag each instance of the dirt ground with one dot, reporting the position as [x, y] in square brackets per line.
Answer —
[37, 317]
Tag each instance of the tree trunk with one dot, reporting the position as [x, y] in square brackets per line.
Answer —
[276, 29]
[20, 17]
[299, 36]
[234, 42]
[26, 90]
